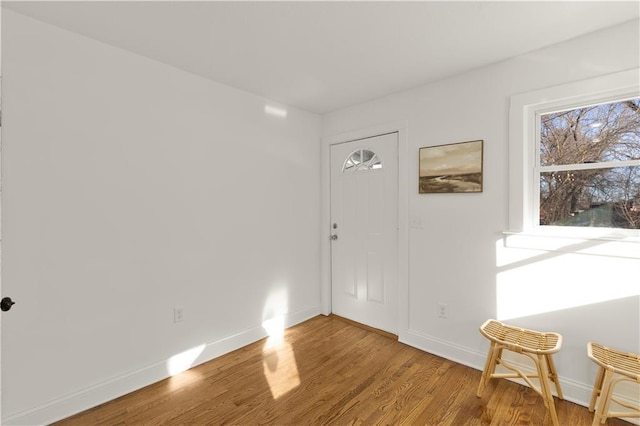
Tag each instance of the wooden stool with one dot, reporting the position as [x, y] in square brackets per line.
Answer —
[615, 366]
[533, 344]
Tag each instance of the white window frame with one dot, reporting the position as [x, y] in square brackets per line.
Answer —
[524, 157]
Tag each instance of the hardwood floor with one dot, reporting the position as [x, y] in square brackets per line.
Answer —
[326, 371]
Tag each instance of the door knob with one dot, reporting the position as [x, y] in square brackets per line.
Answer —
[334, 237]
[6, 303]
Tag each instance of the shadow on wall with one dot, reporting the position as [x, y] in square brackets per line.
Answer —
[583, 324]
[535, 275]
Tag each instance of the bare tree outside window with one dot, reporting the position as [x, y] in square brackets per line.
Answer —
[590, 166]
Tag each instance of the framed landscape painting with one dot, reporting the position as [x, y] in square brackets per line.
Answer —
[450, 168]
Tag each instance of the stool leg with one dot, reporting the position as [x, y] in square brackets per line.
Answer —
[597, 388]
[554, 375]
[600, 416]
[545, 388]
[489, 368]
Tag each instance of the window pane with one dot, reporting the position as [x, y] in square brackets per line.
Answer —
[362, 160]
[596, 198]
[608, 132]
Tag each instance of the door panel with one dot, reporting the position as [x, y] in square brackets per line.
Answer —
[364, 218]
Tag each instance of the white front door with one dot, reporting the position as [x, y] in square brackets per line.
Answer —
[364, 231]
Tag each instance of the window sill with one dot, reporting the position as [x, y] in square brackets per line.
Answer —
[595, 242]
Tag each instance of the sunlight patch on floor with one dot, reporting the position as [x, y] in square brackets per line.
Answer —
[279, 361]
[184, 379]
[279, 366]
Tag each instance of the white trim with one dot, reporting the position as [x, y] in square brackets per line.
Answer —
[523, 157]
[403, 212]
[558, 240]
[115, 387]
[445, 349]
[589, 166]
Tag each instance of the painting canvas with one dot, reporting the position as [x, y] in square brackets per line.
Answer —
[451, 168]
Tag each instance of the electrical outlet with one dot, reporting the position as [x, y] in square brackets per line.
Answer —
[415, 222]
[178, 315]
[442, 310]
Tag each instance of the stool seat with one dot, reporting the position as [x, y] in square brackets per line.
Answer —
[537, 346]
[520, 339]
[614, 366]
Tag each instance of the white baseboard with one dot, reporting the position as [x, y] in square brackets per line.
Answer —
[445, 349]
[573, 391]
[100, 393]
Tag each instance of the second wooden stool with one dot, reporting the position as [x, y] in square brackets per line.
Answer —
[614, 366]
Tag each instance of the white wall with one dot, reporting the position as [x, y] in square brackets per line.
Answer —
[130, 187]
[458, 256]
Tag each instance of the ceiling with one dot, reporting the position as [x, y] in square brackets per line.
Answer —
[323, 56]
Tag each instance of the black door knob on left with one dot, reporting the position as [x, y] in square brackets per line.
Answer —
[6, 303]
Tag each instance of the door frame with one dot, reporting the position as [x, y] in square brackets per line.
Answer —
[403, 216]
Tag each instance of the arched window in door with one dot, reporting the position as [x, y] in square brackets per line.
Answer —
[362, 160]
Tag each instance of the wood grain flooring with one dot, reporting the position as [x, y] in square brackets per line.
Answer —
[326, 371]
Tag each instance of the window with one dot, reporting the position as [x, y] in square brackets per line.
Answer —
[574, 157]
[588, 167]
[362, 160]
